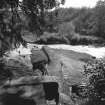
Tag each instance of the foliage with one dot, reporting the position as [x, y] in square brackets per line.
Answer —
[70, 25]
[52, 38]
[12, 13]
[95, 74]
[9, 24]
[100, 18]
[86, 21]
[82, 22]
[66, 29]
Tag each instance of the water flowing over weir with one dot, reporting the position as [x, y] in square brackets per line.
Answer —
[98, 52]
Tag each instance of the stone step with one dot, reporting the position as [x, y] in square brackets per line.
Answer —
[52, 102]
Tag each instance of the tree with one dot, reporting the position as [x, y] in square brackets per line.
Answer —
[11, 22]
[82, 23]
[99, 19]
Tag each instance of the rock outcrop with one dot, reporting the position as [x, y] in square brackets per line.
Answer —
[19, 84]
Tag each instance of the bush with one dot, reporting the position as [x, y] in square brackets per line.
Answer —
[95, 74]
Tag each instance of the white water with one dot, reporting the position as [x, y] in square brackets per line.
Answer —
[97, 52]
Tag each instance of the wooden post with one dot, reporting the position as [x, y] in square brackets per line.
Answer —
[61, 84]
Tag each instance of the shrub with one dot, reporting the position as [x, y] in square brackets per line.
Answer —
[95, 74]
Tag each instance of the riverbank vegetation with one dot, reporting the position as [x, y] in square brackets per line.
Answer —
[75, 26]
[22, 22]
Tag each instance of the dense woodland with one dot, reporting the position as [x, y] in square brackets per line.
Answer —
[19, 18]
[21, 21]
[73, 26]
[77, 25]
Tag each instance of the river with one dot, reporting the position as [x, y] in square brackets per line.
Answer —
[97, 52]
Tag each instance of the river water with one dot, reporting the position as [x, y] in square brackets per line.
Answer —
[97, 52]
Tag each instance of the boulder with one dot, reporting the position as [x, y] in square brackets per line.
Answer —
[40, 55]
[32, 90]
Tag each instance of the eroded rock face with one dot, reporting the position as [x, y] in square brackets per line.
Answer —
[29, 89]
[17, 87]
[37, 93]
[23, 95]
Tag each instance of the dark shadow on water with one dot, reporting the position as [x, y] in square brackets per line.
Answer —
[14, 99]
